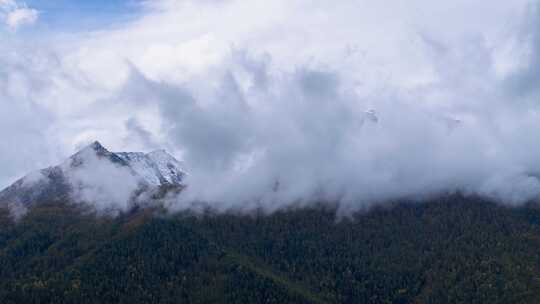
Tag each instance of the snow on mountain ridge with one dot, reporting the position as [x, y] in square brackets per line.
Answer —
[157, 167]
[90, 152]
[96, 174]
[142, 166]
[168, 166]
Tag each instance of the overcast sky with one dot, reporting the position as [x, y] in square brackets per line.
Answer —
[352, 99]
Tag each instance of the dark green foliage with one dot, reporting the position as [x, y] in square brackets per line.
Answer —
[450, 250]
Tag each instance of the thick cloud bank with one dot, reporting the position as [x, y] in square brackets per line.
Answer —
[293, 101]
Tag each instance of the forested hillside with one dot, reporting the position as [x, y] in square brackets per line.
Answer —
[450, 250]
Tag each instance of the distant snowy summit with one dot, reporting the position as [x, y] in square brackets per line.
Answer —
[155, 168]
[95, 174]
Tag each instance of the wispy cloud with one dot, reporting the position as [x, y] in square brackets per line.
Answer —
[16, 14]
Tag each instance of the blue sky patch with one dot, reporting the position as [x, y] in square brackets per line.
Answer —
[83, 14]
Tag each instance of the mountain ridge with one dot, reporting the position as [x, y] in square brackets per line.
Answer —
[93, 167]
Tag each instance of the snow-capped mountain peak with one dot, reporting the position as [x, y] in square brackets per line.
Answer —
[92, 151]
[97, 170]
[96, 148]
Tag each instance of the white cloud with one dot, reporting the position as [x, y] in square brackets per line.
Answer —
[251, 92]
[106, 186]
[7, 4]
[21, 16]
[17, 14]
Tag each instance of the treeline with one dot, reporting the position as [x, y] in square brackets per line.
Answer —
[451, 250]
